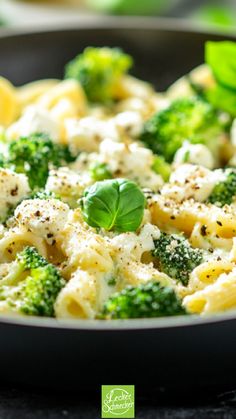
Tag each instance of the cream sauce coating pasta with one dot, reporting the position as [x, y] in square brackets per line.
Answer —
[96, 263]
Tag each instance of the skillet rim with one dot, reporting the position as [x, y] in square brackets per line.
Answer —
[117, 23]
[88, 325]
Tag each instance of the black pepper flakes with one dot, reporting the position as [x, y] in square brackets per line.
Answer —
[14, 191]
[203, 230]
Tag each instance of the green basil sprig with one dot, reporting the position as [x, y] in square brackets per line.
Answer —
[222, 98]
[114, 204]
[221, 57]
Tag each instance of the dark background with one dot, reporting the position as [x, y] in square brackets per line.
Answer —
[35, 404]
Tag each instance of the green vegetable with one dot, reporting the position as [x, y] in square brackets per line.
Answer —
[176, 257]
[29, 258]
[146, 300]
[116, 204]
[222, 98]
[43, 195]
[161, 167]
[221, 15]
[130, 7]
[224, 192]
[33, 156]
[32, 285]
[99, 71]
[221, 57]
[191, 119]
[3, 137]
[111, 282]
[100, 171]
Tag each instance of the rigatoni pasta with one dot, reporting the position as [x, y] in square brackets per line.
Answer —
[117, 201]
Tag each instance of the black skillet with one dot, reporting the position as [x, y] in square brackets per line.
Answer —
[173, 352]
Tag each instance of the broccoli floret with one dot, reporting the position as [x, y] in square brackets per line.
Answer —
[224, 192]
[32, 285]
[162, 168]
[43, 195]
[99, 71]
[146, 300]
[176, 257]
[3, 137]
[40, 291]
[100, 171]
[190, 119]
[33, 156]
[2, 160]
[29, 258]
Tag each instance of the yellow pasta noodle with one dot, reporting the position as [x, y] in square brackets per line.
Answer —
[9, 106]
[67, 89]
[78, 298]
[201, 237]
[216, 297]
[85, 249]
[207, 273]
[30, 92]
[14, 241]
[133, 273]
[128, 213]
[167, 213]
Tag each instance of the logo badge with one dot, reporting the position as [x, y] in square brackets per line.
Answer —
[118, 402]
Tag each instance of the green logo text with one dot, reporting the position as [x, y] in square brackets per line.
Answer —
[118, 402]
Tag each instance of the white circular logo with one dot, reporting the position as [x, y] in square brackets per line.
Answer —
[118, 401]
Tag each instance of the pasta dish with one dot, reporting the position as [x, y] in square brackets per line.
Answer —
[118, 201]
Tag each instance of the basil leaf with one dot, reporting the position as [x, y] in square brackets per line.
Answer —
[222, 98]
[116, 204]
[221, 57]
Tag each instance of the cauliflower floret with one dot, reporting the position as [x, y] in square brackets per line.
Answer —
[192, 181]
[132, 87]
[45, 218]
[133, 104]
[194, 154]
[86, 134]
[13, 188]
[129, 123]
[131, 161]
[147, 235]
[131, 245]
[145, 108]
[35, 120]
[67, 184]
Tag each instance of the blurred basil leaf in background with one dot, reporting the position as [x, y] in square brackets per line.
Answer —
[129, 7]
[221, 16]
